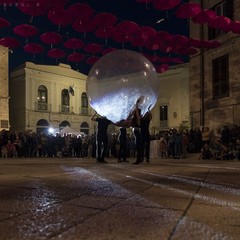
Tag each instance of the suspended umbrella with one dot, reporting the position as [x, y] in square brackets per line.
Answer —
[58, 4]
[167, 48]
[165, 5]
[177, 60]
[138, 42]
[105, 33]
[162, 68]
[60, 17]
[4, 23]
[188, 10]
[25, 30]
[93, 48]
[92, 60]
[75, 57]
[83, 26]
[188, 51]
[56, 53]
[33, 48]
[122, 38]
[127, 27]
[153, 58]
[196, 43]
[215, 44]
[9, 42]
[108, 50]
[164, 37]
[104, 19]
[51, 38]
[143, 35]
[165, 59]
[180, 40]
[234, 26]
[73, 43]
[80, 11]
[220, 22]
[204, 16]
[33, 7]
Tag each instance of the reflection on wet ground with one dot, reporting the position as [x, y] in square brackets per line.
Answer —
[80, 199]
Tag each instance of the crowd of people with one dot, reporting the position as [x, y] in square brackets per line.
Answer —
[125, 144]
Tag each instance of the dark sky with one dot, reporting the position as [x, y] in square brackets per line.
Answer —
[122, 9]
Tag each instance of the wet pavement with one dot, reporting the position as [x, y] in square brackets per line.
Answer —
[54, 198]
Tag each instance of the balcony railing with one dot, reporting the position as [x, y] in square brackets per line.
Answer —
[44, 107]
[84, 111]
[65, 109]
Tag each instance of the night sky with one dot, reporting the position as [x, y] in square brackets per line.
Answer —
[122, 9]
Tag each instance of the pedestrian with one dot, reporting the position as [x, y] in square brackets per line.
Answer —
[145, 134]
[122, 138]
[102, 137]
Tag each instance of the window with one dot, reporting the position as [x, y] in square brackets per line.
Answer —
[220, 77]
[65, 101]
[84, 104]
[224, 8]
[84, 127]
[42, 98]
[163, 116]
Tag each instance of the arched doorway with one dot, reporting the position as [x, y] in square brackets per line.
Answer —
[42, 126]
[63, 124]
[84, 127]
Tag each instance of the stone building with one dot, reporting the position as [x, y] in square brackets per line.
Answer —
[215, 73]
[4, 95]
[44, 97]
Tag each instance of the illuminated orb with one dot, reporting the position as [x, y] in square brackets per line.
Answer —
[117, 80]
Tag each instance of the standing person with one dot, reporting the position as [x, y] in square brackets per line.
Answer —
[102, 137]
[122, 138]
[144, 125]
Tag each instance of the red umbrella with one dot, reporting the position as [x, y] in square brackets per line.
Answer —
[165, 5]
[177, 60]
[25, 30]
[73, 43]
[204, 16]
[165, 37]
[188, 10]
[92, 60]
[235, 26]
[180, 40]
[165, 59]
[33, 48]
[93, 48]
[58, 4]
[80, 11]
[145, 33]
[221, 22]
[108, 50]
[162, 68]
[127, 27]
[153, 58]
[60, 17]
[51, 38]
[105, 32]
[104, 19]
[75, 57]
[56, 53]
[4, 23]
[9, 42]
[33, 7]
[83, 26]
[188, 51]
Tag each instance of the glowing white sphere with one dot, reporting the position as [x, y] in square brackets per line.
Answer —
[117, 80]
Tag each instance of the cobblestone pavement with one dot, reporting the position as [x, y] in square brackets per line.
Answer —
[81, 199]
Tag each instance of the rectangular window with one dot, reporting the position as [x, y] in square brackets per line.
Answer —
[224, 8]
[220, 77]
[164, 113]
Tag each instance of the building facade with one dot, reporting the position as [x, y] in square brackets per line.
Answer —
[48, 97]
[4, 93]
[215, 73]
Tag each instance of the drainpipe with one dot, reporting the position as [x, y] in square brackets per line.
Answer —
[202, 77]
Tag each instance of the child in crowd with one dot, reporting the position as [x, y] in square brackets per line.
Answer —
[163, 147]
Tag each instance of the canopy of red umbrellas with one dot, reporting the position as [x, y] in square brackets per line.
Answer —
[161, 47]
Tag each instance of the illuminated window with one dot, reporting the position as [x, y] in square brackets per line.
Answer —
[42, 94]
[84, 104]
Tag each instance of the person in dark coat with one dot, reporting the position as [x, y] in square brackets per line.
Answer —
[102, 137]
[122, 145]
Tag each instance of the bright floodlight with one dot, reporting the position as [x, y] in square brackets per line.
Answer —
[51, 130]
[117, 80]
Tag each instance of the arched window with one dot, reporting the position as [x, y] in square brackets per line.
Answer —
[84, 127]
[84, 103]
[42, 126]
[63, 124]
[65, 101]
[42, 98]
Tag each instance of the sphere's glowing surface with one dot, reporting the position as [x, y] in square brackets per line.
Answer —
[117, 80]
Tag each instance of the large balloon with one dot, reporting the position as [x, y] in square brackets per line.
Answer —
[118, 80]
